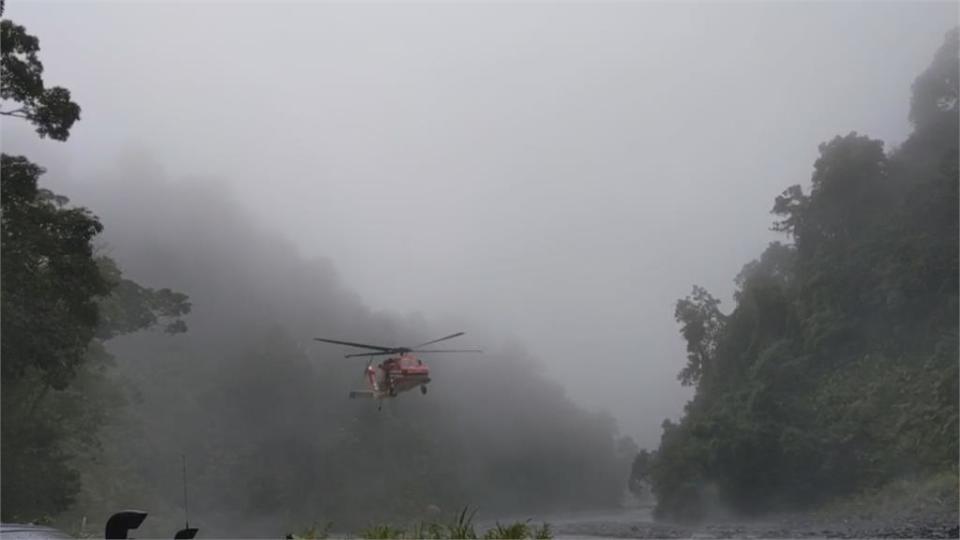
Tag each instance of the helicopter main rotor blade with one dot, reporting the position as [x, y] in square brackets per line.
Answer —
[446, 350]
[451, 336]
[370, 354]
[351, 344]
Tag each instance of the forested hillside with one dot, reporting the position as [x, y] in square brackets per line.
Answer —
[261, 410]
[836, 370]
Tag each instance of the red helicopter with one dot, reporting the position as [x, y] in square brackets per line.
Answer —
[400, 372]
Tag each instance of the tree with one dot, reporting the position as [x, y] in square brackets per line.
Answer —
[640, 471]
[935, 92]
[50, 280]
[50, 110]
[59, 302]
[132, 307]
[701, 325]
[836, 371]
[848, 187]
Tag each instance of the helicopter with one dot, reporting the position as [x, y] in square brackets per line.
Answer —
[399, 372]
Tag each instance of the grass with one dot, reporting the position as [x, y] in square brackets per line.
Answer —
[517, 529]
[314, 532]
[543, 532]
[463, 526]
[460, 527]
[427, 530]
[382, 532]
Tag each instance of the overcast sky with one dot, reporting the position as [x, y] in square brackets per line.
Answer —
[560, 173]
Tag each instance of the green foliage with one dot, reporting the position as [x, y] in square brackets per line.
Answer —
[58, 302]
[131, 307]
[382, 532]
[32, 449]
[904, 499]
[517, 529]
[462, 526]
[701, 325]
[50, 280]
[837, 369]
[543, 532]
[935, 90]
[640, 471]
[50, 110]
[421, 529]
[57, 295]
[44, 429]
[427, 530]
[315, 532]
[51, 287]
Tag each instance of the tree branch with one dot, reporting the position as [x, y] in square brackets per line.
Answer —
[17, 113]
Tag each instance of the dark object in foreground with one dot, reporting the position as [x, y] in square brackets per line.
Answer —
[186, 534]
[118, 526]
[122, 522]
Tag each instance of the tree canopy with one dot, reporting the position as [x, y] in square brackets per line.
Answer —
[50, 279]
[837, 368]
[50, 110]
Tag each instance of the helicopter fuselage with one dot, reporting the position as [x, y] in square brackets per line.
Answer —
[397, 374]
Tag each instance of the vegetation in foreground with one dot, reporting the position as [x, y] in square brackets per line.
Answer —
[910, 500]
[461, 526]
[515, 530]
[836, 372]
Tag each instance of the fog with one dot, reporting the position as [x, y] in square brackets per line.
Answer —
[551, 176]
[262, 414]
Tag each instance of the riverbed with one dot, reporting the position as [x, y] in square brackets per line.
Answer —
[637, 521]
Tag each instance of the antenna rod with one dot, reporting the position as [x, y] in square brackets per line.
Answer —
[186, 513]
